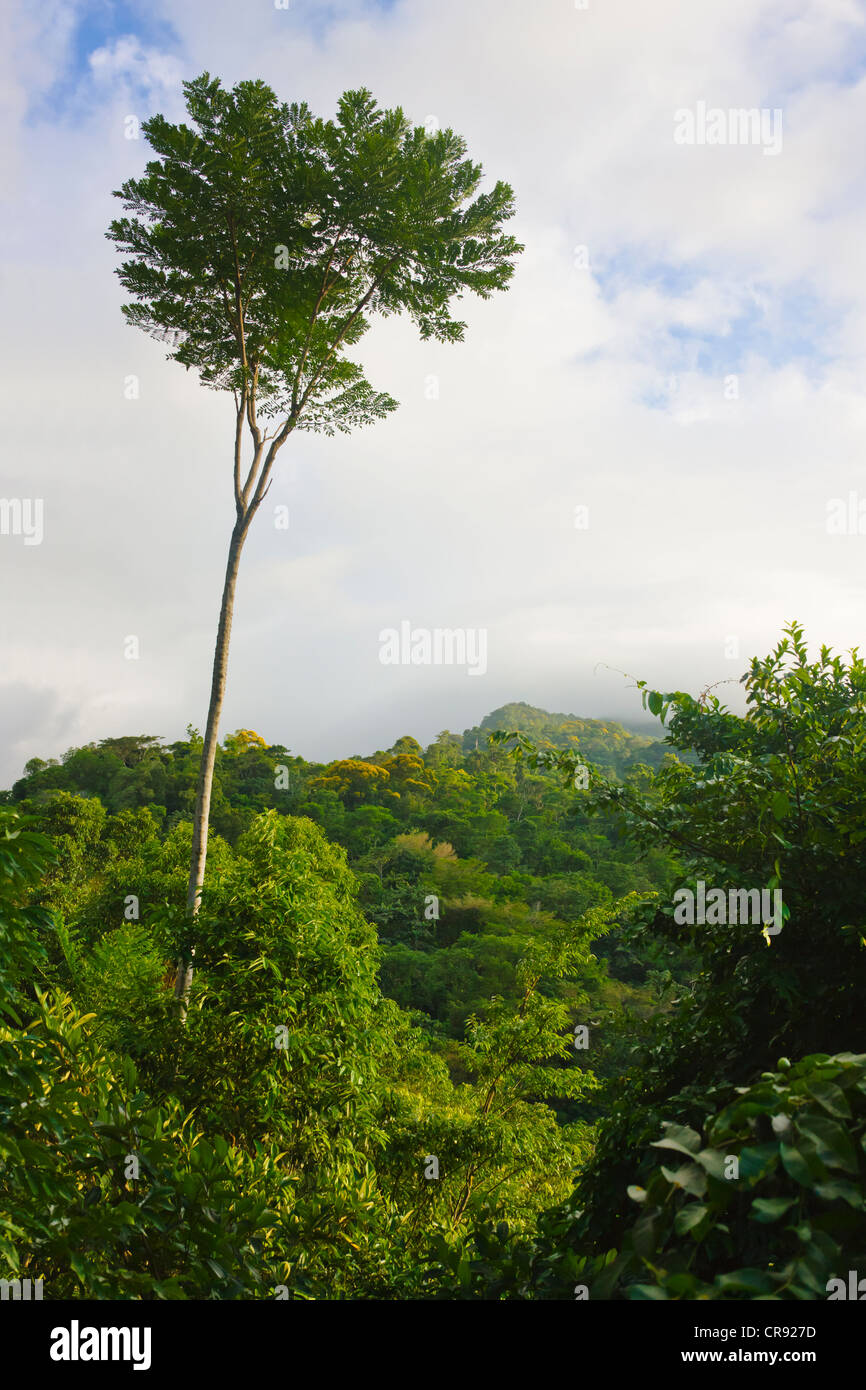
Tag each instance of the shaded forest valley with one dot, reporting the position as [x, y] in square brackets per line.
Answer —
[448, 1035]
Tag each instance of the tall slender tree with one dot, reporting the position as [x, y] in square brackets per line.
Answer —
[260, 243]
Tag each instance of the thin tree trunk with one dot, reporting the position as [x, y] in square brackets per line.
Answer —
[183, 978]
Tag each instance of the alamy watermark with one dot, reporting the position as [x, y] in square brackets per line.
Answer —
[736, 126]
[855, 1288]
[23, 516]
[438, 646]
[716, 907]
[25, 1289]
[77, 1343]
[846, 516]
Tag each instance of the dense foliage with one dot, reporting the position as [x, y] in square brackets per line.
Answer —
[449, 1036]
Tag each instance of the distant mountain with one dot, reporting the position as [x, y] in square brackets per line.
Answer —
[603, 741]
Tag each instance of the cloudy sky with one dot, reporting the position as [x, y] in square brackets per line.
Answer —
[682, 354]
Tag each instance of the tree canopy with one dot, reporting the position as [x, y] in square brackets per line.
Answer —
[262, 241]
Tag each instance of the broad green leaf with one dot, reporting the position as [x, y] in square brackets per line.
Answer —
[769, 1209]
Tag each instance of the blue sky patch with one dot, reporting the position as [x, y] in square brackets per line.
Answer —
[777, 324]
[101, 23]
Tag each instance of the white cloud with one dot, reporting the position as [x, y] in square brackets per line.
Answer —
[128, 60]
[706, 513]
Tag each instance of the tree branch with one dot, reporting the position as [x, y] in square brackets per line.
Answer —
[358, 309]
[322, 293]
[239, 430]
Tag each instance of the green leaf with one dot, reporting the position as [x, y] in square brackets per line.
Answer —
[750, 1281]
[757, 1160]
[834, 1145]
[768, 1209]
[680, 1138]
[690, 1178]
[795, 1164]
[839, 1188]
[688, 1217]
[831, 1097]
[780, 805]
[714, 1162]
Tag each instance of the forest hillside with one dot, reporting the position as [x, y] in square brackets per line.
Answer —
[456, 1027]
